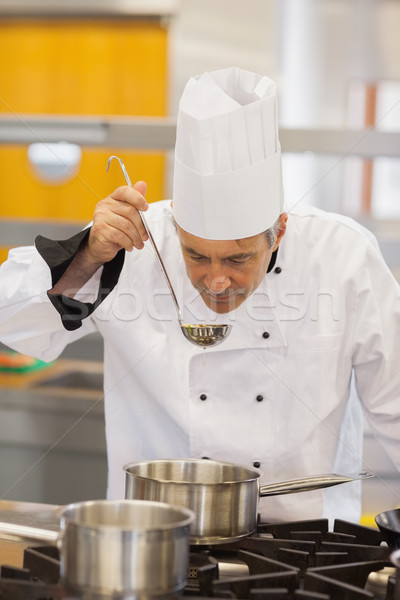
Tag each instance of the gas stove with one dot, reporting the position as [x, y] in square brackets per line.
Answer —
[300, 560]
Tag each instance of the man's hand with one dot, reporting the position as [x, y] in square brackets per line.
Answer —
[117, 224]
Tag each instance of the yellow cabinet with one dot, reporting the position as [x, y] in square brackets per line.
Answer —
[79, 67]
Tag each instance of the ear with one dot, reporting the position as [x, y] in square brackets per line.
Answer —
[281, 230]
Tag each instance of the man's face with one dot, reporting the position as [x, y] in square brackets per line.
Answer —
[225, 273]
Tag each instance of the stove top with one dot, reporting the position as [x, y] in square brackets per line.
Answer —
[299, 560]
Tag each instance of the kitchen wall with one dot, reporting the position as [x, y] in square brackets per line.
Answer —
[64, 66]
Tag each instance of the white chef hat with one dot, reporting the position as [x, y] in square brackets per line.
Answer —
[227, 174]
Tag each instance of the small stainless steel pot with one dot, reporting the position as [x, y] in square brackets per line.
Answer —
[223, 496]
[120, 548]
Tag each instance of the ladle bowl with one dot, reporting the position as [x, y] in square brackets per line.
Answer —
[200, 335]
[205, 335]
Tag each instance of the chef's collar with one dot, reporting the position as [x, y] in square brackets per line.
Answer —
[273, 260]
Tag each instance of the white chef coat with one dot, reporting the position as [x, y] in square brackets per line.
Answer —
[276, 392]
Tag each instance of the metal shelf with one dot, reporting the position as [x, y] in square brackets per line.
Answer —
[158, 133]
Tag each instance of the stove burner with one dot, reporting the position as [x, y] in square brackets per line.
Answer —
[299, 560]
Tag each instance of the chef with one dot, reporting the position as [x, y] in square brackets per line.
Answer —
[315, 312]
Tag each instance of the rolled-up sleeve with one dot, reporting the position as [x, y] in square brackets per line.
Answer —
[58, 255]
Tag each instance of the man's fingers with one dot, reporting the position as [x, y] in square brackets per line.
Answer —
[108, 239]
[141, 187]
[131, 196]
[125, 202]
[126, 238]
[117, 222]
[135, 234]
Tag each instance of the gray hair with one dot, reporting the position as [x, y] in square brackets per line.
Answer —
[271, 233]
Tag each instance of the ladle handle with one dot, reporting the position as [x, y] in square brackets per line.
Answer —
[307, 484]
[171, 289]
[164, 270]
[26, 533]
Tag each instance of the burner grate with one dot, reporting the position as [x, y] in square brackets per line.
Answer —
[44, 563]
[299, 560]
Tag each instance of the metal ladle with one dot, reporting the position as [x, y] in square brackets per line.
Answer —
[201, 335]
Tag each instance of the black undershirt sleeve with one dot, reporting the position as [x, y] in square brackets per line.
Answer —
[58, 255]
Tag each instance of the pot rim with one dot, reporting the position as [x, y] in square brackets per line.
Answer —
[187, 516]
[252, 470]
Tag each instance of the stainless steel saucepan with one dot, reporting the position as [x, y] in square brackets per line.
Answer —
[125, 548]
[223, 496]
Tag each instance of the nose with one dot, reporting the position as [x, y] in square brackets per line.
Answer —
[217, 281]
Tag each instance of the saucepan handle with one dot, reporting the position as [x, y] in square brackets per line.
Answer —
[307, 484]
[25, 533]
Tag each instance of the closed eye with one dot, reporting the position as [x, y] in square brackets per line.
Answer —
[239, 261]
[196, 257]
